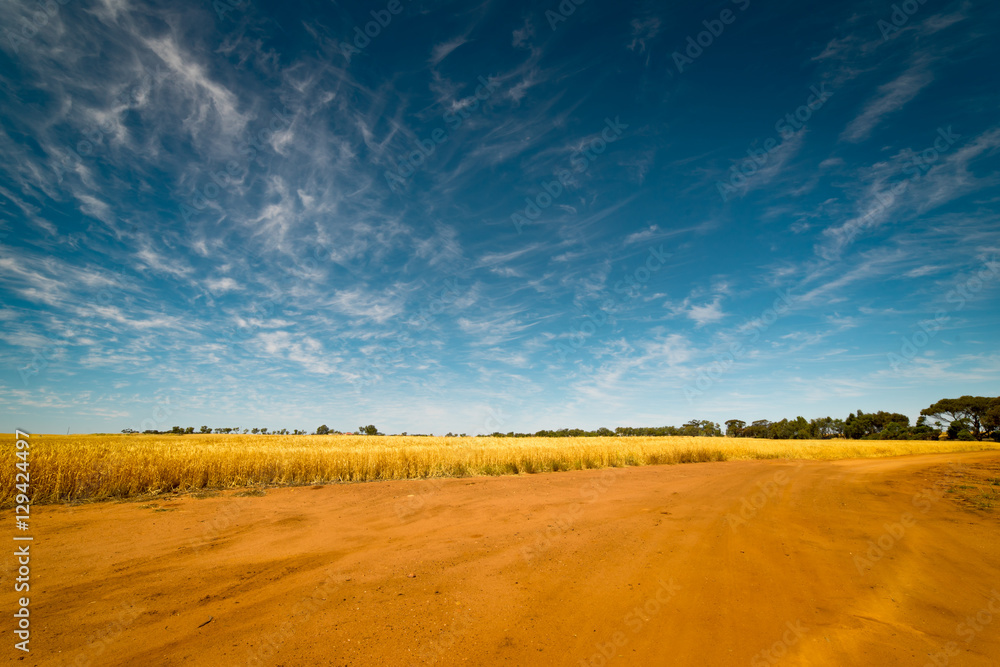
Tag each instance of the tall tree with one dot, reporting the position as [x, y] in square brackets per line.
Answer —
[972, 409]
[991, 420]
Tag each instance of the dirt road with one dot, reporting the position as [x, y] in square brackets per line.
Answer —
[738, 563]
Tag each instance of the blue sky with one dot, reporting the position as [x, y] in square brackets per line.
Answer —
[503, 216]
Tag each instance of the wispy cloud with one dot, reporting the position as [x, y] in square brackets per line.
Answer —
[643, 30]
[707, 313]
[444, 49]
[890, 98]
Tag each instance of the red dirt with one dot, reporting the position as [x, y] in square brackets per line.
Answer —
[545, 569]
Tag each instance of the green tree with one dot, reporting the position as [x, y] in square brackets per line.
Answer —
[760, 428]
[734, 428]
[710, 429]
[991, 420]
[873, 424]
[957, 426]
[368, 430]
[826, 427]
[973, 409]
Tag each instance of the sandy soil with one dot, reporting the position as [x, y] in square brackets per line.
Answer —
[861, 562]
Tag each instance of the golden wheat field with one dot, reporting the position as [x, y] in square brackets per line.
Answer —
[96, 467]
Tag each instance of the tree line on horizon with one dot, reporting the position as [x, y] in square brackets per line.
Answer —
[964, 418]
